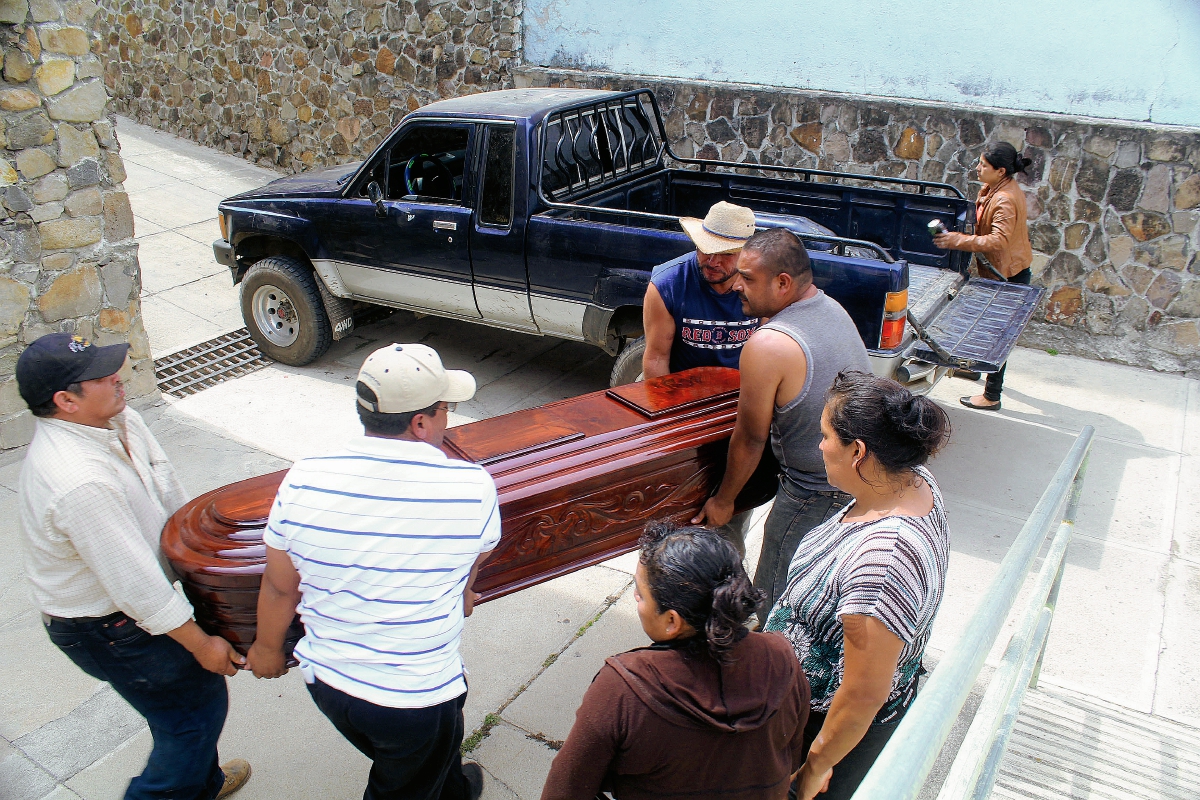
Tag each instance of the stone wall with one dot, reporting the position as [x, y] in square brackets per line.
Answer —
[295, 84]
[68, 261]
[1114, 208]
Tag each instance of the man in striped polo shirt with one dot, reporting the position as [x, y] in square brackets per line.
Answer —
[376, 547]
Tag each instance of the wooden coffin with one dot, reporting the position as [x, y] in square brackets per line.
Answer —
[577, 482]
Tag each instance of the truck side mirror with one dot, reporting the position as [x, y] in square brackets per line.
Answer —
[376, 195]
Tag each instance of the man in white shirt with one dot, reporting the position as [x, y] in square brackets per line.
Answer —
[95, 492]
[376, 546]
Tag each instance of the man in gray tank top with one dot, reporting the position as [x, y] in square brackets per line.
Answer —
[787, 367]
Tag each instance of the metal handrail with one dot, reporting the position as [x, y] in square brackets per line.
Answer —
[901, 769]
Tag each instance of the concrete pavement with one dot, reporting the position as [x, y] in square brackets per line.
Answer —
[1127, 628]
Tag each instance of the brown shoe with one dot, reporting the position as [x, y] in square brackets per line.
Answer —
[237, 772]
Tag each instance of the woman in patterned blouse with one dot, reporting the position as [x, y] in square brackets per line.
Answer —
[863, 588]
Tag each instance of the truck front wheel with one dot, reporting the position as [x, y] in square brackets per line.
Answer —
[282, 308]
[628, 366]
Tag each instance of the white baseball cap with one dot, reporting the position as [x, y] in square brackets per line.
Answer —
[410, 377]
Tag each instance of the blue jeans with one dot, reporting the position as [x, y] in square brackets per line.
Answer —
[184, 704]
[796, 512]
[414, 752]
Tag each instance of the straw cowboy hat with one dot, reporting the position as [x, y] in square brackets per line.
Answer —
[724, 230]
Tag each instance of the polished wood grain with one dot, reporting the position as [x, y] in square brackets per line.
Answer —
[577, 482]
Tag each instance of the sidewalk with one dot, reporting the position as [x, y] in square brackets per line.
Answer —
[1127, 630]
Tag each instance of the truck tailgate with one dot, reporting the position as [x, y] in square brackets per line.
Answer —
[980, 324]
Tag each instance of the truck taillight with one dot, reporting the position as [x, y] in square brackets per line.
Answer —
[895, 309]
[225, 227]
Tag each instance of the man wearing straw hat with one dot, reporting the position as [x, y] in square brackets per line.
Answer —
[691, 315]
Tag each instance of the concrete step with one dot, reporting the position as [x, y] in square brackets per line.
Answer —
[1066, 745]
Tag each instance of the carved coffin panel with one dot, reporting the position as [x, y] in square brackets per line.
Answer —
[577, 482]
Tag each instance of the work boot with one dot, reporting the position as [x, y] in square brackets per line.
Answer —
[237, 772]
[474, 775]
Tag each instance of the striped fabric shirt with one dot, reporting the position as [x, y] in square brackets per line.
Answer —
[893, 569]
[384, 535]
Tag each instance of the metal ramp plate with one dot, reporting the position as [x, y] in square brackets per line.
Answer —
[1069, 746]
[981, 324]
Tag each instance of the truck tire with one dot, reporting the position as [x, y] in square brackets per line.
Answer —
[282, 308]
[628, 366]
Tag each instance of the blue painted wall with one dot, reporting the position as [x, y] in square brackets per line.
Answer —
[1119, 59]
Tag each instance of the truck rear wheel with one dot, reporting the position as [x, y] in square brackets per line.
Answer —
[282, 308]
[628, 366]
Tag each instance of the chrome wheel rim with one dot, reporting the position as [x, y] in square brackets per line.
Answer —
[275, 315]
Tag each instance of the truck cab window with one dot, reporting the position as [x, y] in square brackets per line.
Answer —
[428, 161]
[496, 201]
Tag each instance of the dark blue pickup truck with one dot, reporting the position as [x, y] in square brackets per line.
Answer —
[544, 210]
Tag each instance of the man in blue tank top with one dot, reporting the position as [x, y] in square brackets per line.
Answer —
[691, 315]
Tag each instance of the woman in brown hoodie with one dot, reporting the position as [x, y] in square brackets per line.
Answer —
[1001, 236]
[709, 709]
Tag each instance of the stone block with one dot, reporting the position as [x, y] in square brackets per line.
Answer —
[85, 203]
[113, 319]
[1124, 189]
[11, 401]
[63, 234]
[80, 12]
[84, 103]
[1086, 211]
[30, 130]
[1064, 305]
[1106, 282]
[1187, 302]
[1170, 252]
[1091, 180]
[51, 187]
[1165, 150]
[1129, 154]
[1187, 194]
[116, 167]
[67, 40]
[1145, 226]
[18, 67]
[910, 144]
[1062, 173]
[18, 100]
[8, 174]
[1137, 277]
[15, 200]
[23, 241]
[1075, 235]
[34, 163]
[1045, 237]
[74, 145]
[1156, 195]
[46, 212]
[85, 173]
[17, 430]
[1065, 268]
[1101, 146]
[1164, 288]
[45, 10]
[118, 282]
[14, 302]
[58, 261]
[55, 75]
[139, 342]
[870, 147]
[13, 12]
[1179, 338]
[76, 293]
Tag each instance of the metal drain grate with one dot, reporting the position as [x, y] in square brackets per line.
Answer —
[188, 371]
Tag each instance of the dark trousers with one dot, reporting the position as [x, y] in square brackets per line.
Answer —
[851, 770]
[995, 381]
[184, 704]
[414, 751]
[796, 512]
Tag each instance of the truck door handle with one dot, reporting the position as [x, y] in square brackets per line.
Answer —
[443, 225]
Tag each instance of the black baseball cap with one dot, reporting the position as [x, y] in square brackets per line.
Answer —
[57, 360]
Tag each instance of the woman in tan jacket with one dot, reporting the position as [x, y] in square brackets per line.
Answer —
[1001, 237]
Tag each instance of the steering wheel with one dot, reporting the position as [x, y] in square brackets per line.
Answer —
[419, 180]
